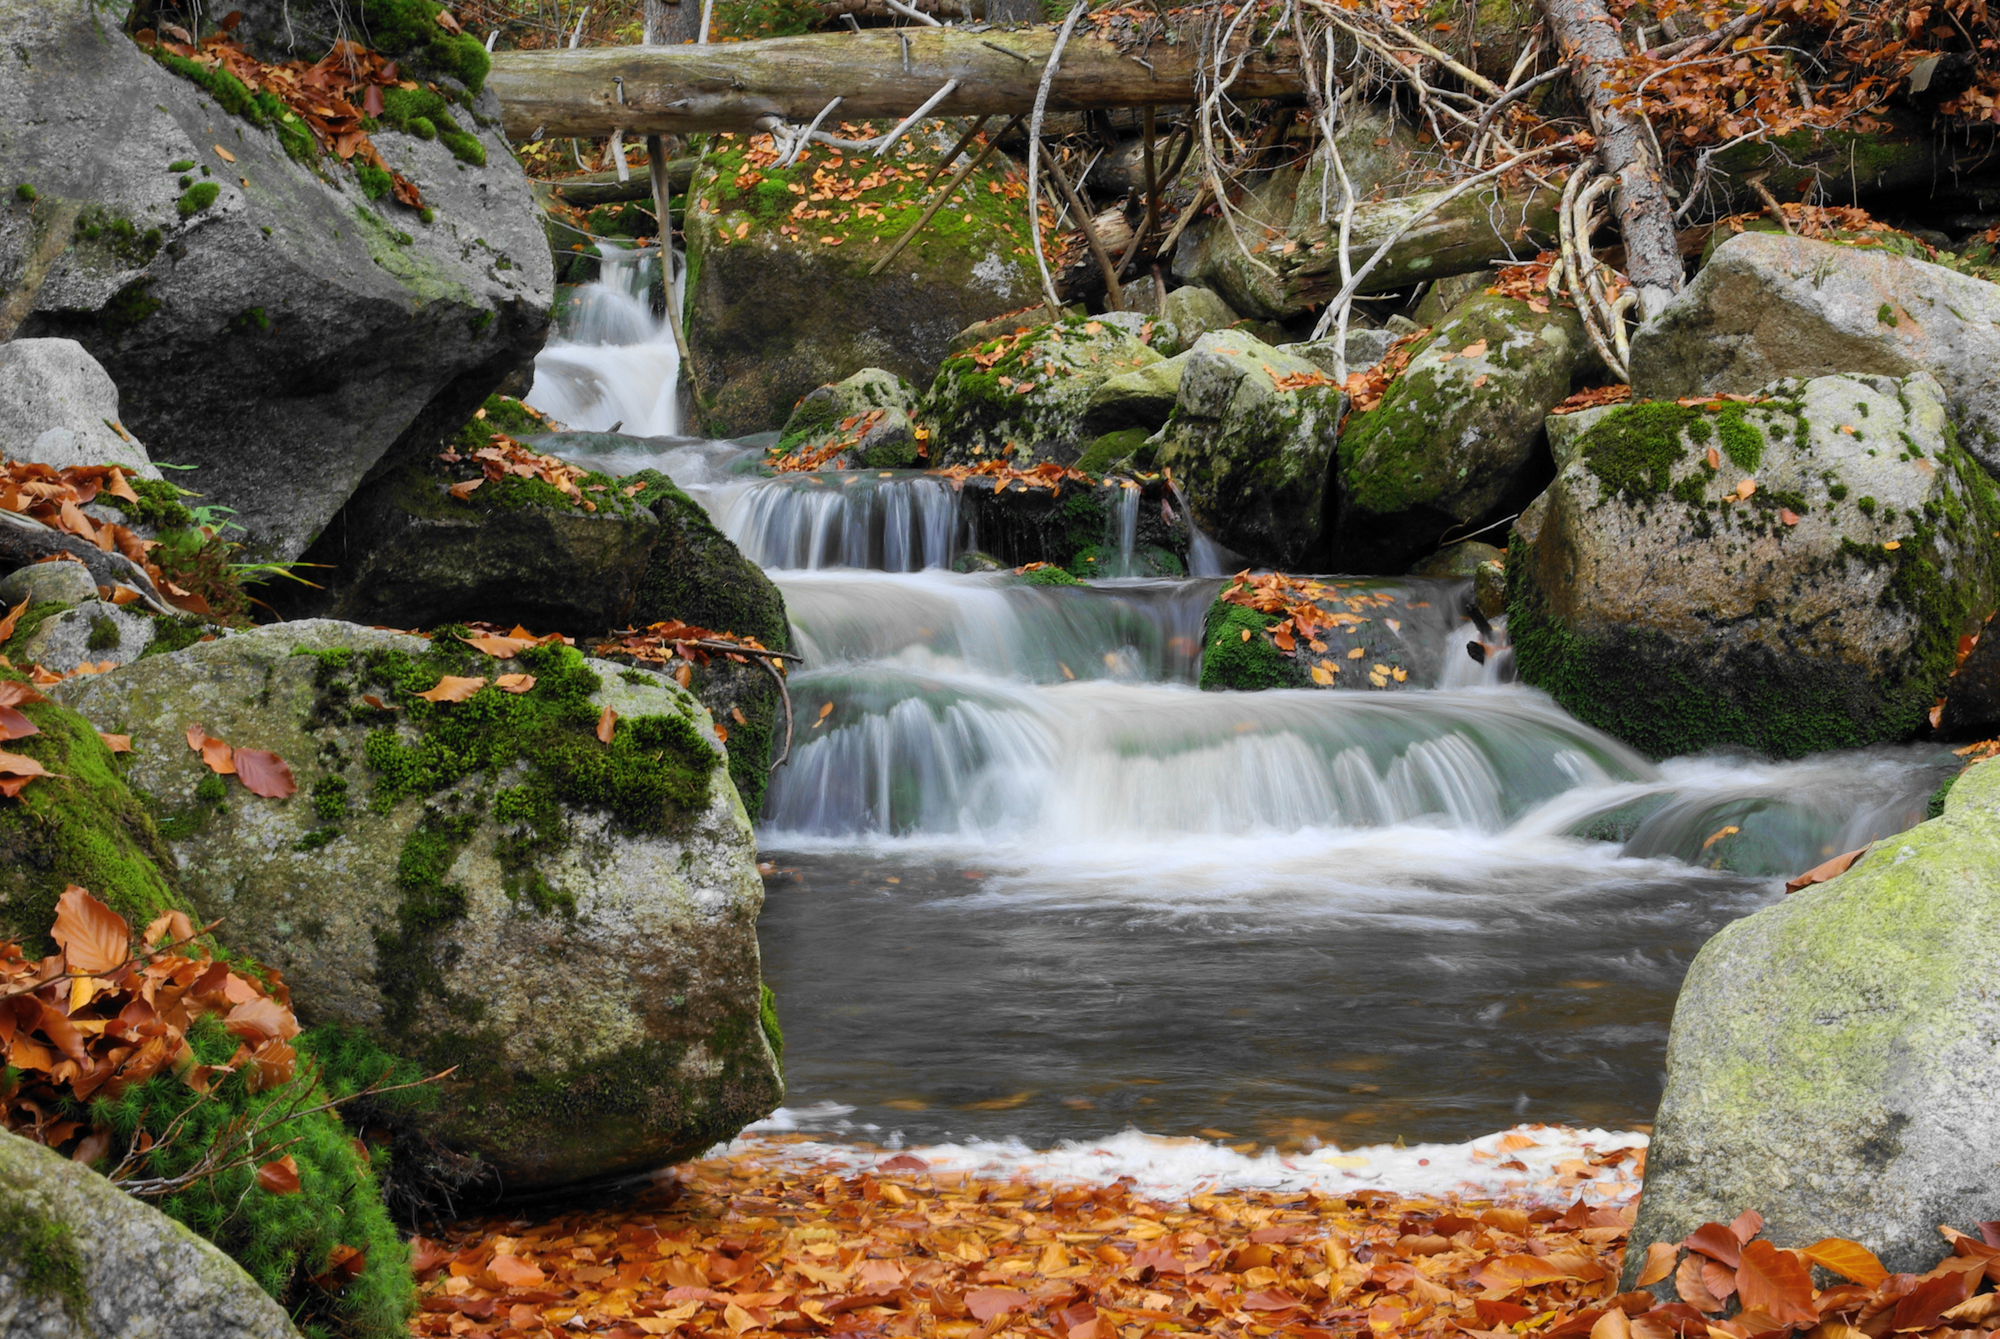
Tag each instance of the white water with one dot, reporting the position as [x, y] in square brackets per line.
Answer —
[613, 363]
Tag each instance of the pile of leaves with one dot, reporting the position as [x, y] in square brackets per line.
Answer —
[1048, 475]
[57, 498]
[847, 435]
[1365, 389]
[1306, 613]
[1594, 397]
[755, 1246]
[503, 459]
[664, 643]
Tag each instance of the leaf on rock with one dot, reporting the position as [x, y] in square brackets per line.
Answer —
[14, 693]
[1689, 1285]
[265, 773]
[94, 938]
[116, 743]
[462, 491]
[1851, 1260]
[1717, 1243]
[1774, 1281]
[218, 756]
[607, 722]
[1659, 1263]
[280, 1177]
[1747, 1224]
[452, 688]
[1820, 873]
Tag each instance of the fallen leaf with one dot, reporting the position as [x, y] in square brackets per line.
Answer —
[13, 617]
[224, 154]
[116, 743]
[514, 1272]
[265, 773]
[453, 688]
[216, 755]
[607, 723]
[1892, 545]
[376, 702]
[280, 1177]
[1714, 458]
[1849, 1259]
[1773, 1281]
[1714, 1240]
[94, 938]
[1820, 873]
[462, 491]
[1476, 349]
[1659, 1263]
[514, 683]
[1788, 516]
[13, 725]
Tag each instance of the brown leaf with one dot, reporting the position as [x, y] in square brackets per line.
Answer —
[265, 773]
[1773, 1281]
[452, 688]
[464, 490]
[14, 693]
[280, 1177]
[1659, 1263]
[607, 722]
[116, 743]
[13, 725]
[13, 617]
[514, 683]
[1688, 1283]
[218, 756]
[376, 702]
[94, 938]
[1820, 873]
[1849, 1259]
[1716, 1242]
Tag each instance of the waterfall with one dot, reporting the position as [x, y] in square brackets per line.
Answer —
[612, 362]
[884, 520]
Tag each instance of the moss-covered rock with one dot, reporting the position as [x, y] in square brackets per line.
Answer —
[1791, 575]
[1188, 313]
[1251, 442]
[482, 883]
[1828, 1053]
[1142, 398]
[1457, 437]
[779, 295]
[1025, 396]
[1373, 636]
[871, 416]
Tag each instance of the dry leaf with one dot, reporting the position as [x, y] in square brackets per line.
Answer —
[265, 773]
[452, 688]
[280, 1177]
[216, 755]
[13, 617]
[116, 743]
[607, 722]
[94, 938]
[514, 683]
[1659, 1263]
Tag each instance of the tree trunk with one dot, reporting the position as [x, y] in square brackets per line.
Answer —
[604, 188]
[1588, 38]
[880, 74]
[672, 22]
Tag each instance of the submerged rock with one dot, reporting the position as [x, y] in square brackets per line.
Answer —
[1829, 1054]
[1791, 575]
[57, 406]
[1767, 306]
[481, 883]
[1458, 436]
[1026, 396]
[262, 316]
[1250, 442]
[869, 414]
[78, 1256]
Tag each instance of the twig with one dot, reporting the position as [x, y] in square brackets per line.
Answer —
[1034, 147]
[1090, 237]
[1771, 205]
[950, 87]
[784, 696]
[663, 196]
[944, 163]
[910, 13]
[1499, 104]
[938, 202]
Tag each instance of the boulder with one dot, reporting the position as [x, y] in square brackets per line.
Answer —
[78, 1256]
[45, 583]
[1395, 642]
[481, 883]
[1972, 697]
[57, 407]
[263, 317]
[1364, 349]
[1767, 306]
[1457, 438]
[869, 414]
[1028, 391]
[779, 295]
[94, 631]
[1141, 398]
[1830, 1054]
[1250, 443]
[1188, 313]
[1790, 575]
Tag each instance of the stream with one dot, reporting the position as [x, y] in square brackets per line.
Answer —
[1026, 883]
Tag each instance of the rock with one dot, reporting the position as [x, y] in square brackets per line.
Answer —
[1029, 391]
[1459, 561]
[1566, 430]
[1401, 639]
[1972, 697]
[1656, 603]
[94, 632]
[696, 575]
[1457, 439]
[481, 884]
[1252, 458]
[1364, 349]
[1828, 1055]
[1143, 397]
[772, 314]
[407, 554]
[882, 438]
[1192, 311]
[47, 583]
[57, 406]
[1767, 306]
[291, 333]
[1445, 295]
[78, 1256]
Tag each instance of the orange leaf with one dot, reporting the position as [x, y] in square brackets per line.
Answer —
[376, 702]
[1788, 516]
[452, 688]
[514, 683]
[1850, 1260]
[514, 1272]
[94, 938]
[13, 725]
[1511, 1272]
[1659, 1263]
[265, 773]
[13, 616]
[500, 648]
[1771, 1280]
[116, 743]
[280, 1177]
[464, 490]
[15, 764]
[1688, 1283]
[1820, 873]
[607, 722]
[14, 693]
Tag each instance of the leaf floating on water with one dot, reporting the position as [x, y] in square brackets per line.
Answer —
[1713, 838]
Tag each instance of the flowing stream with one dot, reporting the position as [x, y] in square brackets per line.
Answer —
[1026, 882]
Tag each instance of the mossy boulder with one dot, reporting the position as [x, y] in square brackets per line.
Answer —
[1769, 306]
[1829, 1055]
[1790, 575]
[1251, 442]
[780, 298]
[297, 330]
[483, 883]
[1457, 438]
[1188, 313]
[1141, 398]
[871, 414]
[1025, 396]
[78, 1256]
[1378, 637]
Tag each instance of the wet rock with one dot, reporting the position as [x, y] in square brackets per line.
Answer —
[1030, 392]
[290, 333]
[1827, 1054]
[876, 409]
[1768, 306]
[1972, 697]
[57, 406]
[1378, 637]
[482, 883]
[1457, 440]
[1791, 575]
[1459, 561]
[79, 1256]
[1250, 443]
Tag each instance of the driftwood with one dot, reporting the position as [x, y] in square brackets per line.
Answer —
[878, 74]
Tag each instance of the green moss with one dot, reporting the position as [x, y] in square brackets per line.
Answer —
[171, 633]
[1048, 576]
[1935, 807]
[1866, 505]
[1886, 314]
[374, 181]
[1114, 448]
[45, 1249]
[181, 165]
[104, 633]
[315, 838]
[1838, 492]
[329, 798]
[26, 193]
[197, 198]
[1634, 450]
[767, 1018]
[249, 321]
[1231, 661]
[746, 19]
[466, 148]
[409, 28]
[128, 308]
[117, 235]
[1741, 441]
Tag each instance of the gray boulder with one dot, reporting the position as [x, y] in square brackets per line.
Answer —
[1767, 306]
[1457, 438]
[1250, 443]
[78, 1256]
[1188, 313]
[1830, 1055]
[57, 407]
[44, 583]
[1028, 391]
[94, 631]
[875, 407]
[1790, 575]
[263, 318]
[1143, 397]
[481, 884]
[1363, 349]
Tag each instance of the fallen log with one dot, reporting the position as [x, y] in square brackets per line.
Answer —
[878, 73]
[604, 188]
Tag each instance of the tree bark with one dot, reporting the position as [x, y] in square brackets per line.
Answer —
[675, 90]
[672, 22]
[1588, 38]
[604, 188]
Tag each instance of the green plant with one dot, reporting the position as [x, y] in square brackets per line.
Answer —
[26, 194]
[197, 198]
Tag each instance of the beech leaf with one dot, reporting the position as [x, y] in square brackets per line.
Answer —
[1773, 1281]
[13, 725]
[265, 773]
[1849, 1259]
[216, 755]
[607, 722]
[280, 1177]
[1717, 1243]
[514, 683]
[1659, 1263]
[94, 938]
[452, 688]
[13, 617]
[116, 743]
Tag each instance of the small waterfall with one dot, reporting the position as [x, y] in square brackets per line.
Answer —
[1206, 558]
[882, 520]
[613, 363]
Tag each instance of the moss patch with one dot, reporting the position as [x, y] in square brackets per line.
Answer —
[1232, 660]
[45, 1251]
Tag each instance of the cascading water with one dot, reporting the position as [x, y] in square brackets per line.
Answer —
[613, 363]
[886, 520]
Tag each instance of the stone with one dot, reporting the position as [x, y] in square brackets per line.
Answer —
[1405, 634]
[1768, 306]
[884, 438]
[1445, 295]
[1028, 391]
[1364, 349]
[1972, 697]
[481, 884]
[1566, 430]
[94, 631]
[1790, 575]
[291, 334]
[1143, 397]
[1190, 312]
[1252, 456]
[407, 554]
[772, 314]
[1829, 1054]
[48, 583]
[78, 1256]
[57, 405]
[1457, 439]
[1459, 562]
